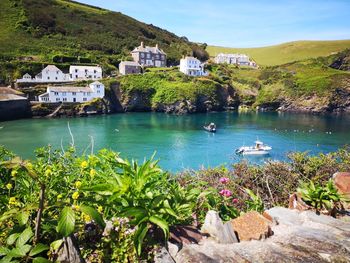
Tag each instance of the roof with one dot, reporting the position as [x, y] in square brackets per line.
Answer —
[190, 58]
[148, 49]
[44, 95]
[97, 68]
[96, 83]
[129, 63]
[27, 75]
[231, 55]
[8, 97]
[69, 89]
[51, 68]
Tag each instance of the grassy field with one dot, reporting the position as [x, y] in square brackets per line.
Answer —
[287, 52]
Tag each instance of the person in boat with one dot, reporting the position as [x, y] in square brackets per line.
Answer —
[212, 125]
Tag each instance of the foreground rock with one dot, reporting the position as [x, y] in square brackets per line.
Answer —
[252, 226]
[342, 182]
[298, 237]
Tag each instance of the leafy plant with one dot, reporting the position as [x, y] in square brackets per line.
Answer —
[320, 197]
[255, 202]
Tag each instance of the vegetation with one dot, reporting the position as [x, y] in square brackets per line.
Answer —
[35, 32]
[287, 52]
[114, 208]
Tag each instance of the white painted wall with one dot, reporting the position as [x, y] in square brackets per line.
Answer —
[85, 73]
[191, 66]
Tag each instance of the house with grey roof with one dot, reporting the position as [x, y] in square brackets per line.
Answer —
[73, 94]
[129, 67]
[149, 56]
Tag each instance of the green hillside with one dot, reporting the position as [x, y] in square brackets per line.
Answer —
[287, 52]
[39, 30]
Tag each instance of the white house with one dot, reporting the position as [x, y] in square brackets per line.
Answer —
[73, 94]
[49, 74]
[85, 72]
[192, 66]
[237, 59]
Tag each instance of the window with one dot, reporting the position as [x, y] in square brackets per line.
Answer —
[94, 76]
[90, 76]
[86, 71]
[95, 71]
[56, 78]
[57, 72]
[98, 91]
[64, 99]
[74, 93]
[64, 93]
[89, 93]
[76, 70]
[142, 55]
[84, 99]
[98, 86]
[48, 77]
[56, 93]
[148, 55]
[84, 93]
[76, 76]
[163, 57]
[57, 99]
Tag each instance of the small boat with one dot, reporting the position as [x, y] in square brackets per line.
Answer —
[258, 149]
[210, 128]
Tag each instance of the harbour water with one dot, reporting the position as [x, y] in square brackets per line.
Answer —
[180, 142]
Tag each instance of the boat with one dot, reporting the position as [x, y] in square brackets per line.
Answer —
[258, 149]
[210, 128]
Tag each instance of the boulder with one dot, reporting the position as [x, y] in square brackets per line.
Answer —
[252, 226]
[184, 235]
[300, 236]
[69, 252]
[220, 232]
[296, 202]
[163, 256]
[342, 182]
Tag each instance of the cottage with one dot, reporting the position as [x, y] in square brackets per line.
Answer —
[149, 56]
[129, 67]
[85, 73]
[49, 74]
[73, 94]
[237, 59]
[192, 66]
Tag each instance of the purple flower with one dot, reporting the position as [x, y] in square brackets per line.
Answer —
[235, 200]
[225, 192]
[224, 180]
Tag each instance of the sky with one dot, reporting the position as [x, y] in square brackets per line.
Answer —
[243, 23]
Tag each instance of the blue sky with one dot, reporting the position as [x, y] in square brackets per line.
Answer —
[243, 23]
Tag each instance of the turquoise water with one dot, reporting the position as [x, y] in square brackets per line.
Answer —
[179, 141]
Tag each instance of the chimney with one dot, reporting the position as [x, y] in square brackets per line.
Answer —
[156, 46]
[142, 44]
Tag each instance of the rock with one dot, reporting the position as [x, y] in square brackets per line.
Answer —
[214, 226]
[163, 256]
[69, 251]
[172, 249]
[296, 202]
[342, 182]
[184, 235]
[252, 226]
[300, 236]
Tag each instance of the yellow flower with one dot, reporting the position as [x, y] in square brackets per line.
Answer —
[75, 195]
[86, 217]
[100, 209]
[14, 173]
[76, 207]
[12, 201]
[29, 166]
[77, 184]
[84, 164]
[9, 186]
[59, 197]
[92, 173]
[48, 172]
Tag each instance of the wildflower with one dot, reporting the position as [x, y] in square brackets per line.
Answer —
[235, 200]
[76, 207]
[48, 172]
[29, 166]
[225, 193]
[9, 186]
[84, 164]
[14, 173]
[77, 184]
[86, 218]
[75, 195]
[99, 209]
[12, 201]
[92, 173]
[224, 180]
[59, 196]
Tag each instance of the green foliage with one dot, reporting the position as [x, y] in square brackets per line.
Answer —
[255, 203]
[319, 196]
[286, 52]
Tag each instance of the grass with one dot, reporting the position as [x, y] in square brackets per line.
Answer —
[287, 52]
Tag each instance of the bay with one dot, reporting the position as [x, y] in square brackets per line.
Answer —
[180, 142]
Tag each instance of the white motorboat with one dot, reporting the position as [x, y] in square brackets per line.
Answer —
[210, 128]
[258, 149]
